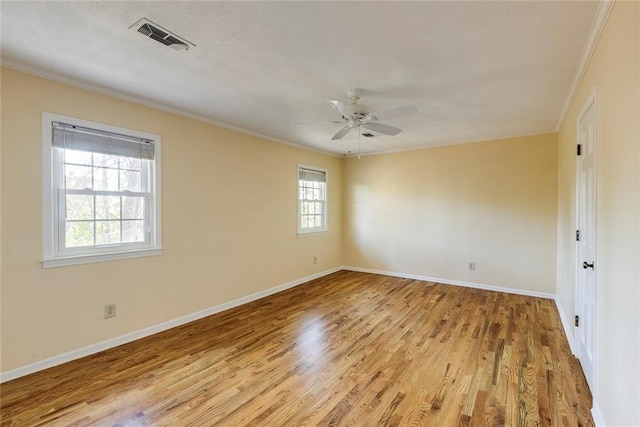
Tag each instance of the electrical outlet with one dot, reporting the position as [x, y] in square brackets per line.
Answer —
[315, 259]
[109, 311]
[472, 266]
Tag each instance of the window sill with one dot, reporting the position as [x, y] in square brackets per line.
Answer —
[312, 233]
[93, 258]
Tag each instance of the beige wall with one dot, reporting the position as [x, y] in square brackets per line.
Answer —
[228, 223]
[615, 71]
[430, 212]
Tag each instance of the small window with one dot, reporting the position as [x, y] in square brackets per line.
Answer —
[101, 194]
[312, 200]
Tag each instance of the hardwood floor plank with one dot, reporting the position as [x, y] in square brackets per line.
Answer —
[347, 349]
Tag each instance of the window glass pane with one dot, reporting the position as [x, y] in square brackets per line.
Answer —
[132, 231]
[133, 207]
[130, 163]
[105, 179]
[130, 180]
[77, 157]
[105, 160]
[79, 234]
[107, 207]
[318, 221]
[77, 177]
[79, 206]
[309, 194]
[107, 232]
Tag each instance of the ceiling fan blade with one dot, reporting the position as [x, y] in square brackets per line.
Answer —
[340, 108]
[315, 123]
[392, 113]
[341, 133]
[382, 128]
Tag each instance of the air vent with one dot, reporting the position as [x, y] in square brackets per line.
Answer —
[161, 35]
[368, 135]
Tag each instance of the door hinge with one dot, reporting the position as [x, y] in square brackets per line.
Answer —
[577, 322]
[579, 149]
[577, 235]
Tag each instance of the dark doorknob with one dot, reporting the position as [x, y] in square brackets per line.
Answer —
[586, 265]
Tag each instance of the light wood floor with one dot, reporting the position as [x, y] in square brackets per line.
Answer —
[348, 349]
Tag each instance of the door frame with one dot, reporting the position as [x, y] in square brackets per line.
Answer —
[588, 103]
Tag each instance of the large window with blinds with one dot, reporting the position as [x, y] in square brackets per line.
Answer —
[312, 200]
[101, 193]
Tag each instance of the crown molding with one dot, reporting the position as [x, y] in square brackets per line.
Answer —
[59, 78]
[587, 52]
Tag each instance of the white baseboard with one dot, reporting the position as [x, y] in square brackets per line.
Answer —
[598, 419]
[455, 282]
[123, 339]
[567, 325]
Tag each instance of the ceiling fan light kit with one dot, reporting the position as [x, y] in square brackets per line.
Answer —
[355, 116]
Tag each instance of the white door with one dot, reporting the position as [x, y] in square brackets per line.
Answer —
[586, 239]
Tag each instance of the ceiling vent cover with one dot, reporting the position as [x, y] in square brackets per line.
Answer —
[161, 35]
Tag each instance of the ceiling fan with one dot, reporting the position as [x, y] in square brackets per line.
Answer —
[355, 116]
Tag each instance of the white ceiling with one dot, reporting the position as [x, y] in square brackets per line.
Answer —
[475, 70]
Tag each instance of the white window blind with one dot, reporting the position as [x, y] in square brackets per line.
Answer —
[74, 137]
[311, 175]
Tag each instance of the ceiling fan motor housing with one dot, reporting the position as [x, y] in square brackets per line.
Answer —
[359, 111]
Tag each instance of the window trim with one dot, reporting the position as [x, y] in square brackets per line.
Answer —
[302, 232]
[50, 219]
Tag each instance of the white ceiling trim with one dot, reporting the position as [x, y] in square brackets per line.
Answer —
[471, 141]
[604, 8]
[161, 107]
[146, 103]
